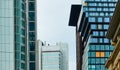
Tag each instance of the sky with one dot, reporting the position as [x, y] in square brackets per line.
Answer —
[52, 25]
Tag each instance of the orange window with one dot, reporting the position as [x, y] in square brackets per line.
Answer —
[97, 54]
[100, 54]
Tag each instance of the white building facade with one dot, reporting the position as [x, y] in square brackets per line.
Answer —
[54, 57]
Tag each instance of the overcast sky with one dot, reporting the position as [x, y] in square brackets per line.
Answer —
[52, 19]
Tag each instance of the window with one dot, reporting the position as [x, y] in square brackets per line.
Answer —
[102, 47]
[100, 19]
[32, 16]
[101, 33]
[101, 14]
[95, 33]
[93, 40]
[92, 54]
[32, 46]
[106, 19]
[106, 40]
[100, 54]
[32, 36]
[23, 57]
[23, 66]
[32, 66]
[105, 26]
[31, 6]
[100, 40]
[99, 26]
[93, 26]
[91, 19]
[32, 56]
[32, 26]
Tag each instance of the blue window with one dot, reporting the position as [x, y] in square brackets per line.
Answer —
[106, 40]
[101, 33]
[92, 19]
[107, 47]
[93, 26]
[100, 19]
[92, 47]
[102, 47]
[100, 40]
[106, 19]
[105, 26]
[93, 40]
[95, 33]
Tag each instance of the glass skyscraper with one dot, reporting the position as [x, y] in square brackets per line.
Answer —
[14, 29]
[97, 51]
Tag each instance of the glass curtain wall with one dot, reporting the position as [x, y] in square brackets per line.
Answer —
[20, 34]
[52, 61]
[99, 13]
[31, 21]
[6, 35]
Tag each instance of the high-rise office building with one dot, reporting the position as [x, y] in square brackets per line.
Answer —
[54, 57]
[99, 13]
[14, 36]
[98, 47]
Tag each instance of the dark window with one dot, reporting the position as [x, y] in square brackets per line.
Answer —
[32, 46]
[32, 56]
[23, 57]
[31, 0]
[32, 36]
[31, 26]
[23, 48]
[31, 16]
[32, 66]
[31, 6]
[23, 66]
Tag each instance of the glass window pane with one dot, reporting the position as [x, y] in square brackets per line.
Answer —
[32, 46]
[31, 6]
[32, 66]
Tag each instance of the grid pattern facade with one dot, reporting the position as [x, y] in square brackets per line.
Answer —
[99, 13]
[12, 18]
[31, 34]
[6, 35]
[52, 60]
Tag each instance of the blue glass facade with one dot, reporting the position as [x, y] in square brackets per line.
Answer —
[99, 13]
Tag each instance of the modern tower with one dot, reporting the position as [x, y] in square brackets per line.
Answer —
[54, 57]
[99, 13]
[14, 29]
[93, 55]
